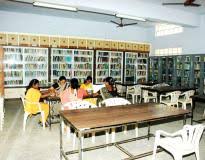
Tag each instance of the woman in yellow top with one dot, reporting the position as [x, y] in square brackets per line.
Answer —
[33, 94]
[87, 85]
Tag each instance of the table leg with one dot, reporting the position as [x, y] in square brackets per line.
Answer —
[148, 132]
[192, 110]
[80, 146]
[61, 139]
[184, 121]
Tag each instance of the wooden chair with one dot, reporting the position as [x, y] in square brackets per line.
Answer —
[180, 143]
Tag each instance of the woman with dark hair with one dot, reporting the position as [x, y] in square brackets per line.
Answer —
[73, 93]
[110, 90]
[88, 87]
[33, 94]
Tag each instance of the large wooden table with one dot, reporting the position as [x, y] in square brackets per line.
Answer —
[89, 120]
[166, 89]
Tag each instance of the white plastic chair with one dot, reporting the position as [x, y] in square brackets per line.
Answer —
[186, 98]
[147, 96]
[26, 114]
[171, 98]
[77, 105]
[1, 113]
[136, 94]
[115, 102]
[180, 143]
[120, 89]
[130, 90]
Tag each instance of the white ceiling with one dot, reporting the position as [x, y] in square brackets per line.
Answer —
[27, 7]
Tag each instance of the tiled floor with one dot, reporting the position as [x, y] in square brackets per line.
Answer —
[39, 144]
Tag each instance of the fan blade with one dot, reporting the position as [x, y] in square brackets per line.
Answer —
[193, 5]
[172, 3]
[129, 24]
[115, 22]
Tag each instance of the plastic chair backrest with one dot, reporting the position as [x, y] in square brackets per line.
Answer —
[78, 105]
[175, 96]
[188, 94]
[130, 89]
[192, 134]
[115, 101]
[25, 102]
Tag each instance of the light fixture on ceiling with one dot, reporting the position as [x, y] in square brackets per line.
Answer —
[130, 17]
[55, 6]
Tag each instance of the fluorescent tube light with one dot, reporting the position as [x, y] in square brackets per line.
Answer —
[130, 17]
[56, 6]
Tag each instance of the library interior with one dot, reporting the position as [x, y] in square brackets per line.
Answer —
[96, 80]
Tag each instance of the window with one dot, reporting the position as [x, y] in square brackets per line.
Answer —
[168, 51]
[167, 29]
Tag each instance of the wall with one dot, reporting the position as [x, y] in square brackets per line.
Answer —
[52, 25]
[192, 40]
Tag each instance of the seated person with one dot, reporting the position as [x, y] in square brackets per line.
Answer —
[73, 92]
[110, 90]
[88, 87]
[33, 94]
[61, 85]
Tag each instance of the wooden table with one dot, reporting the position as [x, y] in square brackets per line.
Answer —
[98, 119]
[166, 89]
[196, 98]
[51, 99]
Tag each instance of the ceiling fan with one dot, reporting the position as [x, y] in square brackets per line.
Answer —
[187, 3]
[121, 24]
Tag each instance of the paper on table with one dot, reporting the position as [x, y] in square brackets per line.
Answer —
[96, 88]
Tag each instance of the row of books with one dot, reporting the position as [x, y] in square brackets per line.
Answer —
[36, 74]
[141, 67]
[141, 73]
[83, 59]
[13, 82]
[35, 66]
[36, 51]
[13, 74]
[115, 66]
[103, 66]
[61, 52]
[102, 73]
[36, 58]
[82, 73]
[115, 60]
[115, 73]
[83, 66]
[76, 52]
[13, 66]
[62, 66]
[103, 59]
[62, 73]
[130, 61]
[15, 57]
[67, 59]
